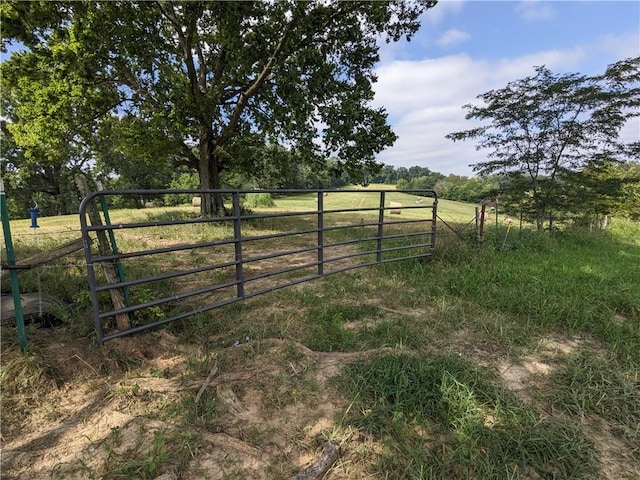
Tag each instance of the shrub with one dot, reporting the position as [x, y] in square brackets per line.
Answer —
[253, 200]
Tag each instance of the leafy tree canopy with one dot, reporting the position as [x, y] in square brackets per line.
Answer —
[210, 77]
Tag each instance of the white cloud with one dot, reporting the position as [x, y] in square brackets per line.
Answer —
[556, 60]
[435, 15]
[452, 37]
[424, 100]
[404, 86]
[535, 11]
[623, 46]
[432, 17]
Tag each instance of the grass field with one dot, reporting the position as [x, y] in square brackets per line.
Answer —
[52, 228]
[514, 357]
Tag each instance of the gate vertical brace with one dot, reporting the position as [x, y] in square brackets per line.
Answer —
[380, 229]
[320, 234]
[237, 235]
[13, 274]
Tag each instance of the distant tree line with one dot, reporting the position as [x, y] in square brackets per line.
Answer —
[606, 188]
[609, 188]
[451, 187]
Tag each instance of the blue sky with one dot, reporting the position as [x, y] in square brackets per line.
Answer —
[469, 47]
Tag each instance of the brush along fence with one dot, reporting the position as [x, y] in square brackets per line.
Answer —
[178, 263]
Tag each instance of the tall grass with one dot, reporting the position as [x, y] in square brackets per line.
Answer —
[575, 281]
[432, 404]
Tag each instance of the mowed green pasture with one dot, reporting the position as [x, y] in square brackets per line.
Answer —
[68, 226]
[512, 357]
[365, 198]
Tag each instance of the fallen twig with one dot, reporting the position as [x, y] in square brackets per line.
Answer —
[206, 383]
[324, 462]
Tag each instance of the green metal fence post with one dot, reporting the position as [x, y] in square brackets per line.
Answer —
[13, 274]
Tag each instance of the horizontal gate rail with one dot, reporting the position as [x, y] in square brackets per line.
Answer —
[170, 283]
[161, 301]
[165, 276]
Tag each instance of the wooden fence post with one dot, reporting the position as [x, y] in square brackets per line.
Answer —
[104, 247]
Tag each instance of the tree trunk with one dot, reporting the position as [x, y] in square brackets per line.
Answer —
[105, 247]
[541, 213]
[539, 206]
[62, 205]
[209, 173]
[540, 220]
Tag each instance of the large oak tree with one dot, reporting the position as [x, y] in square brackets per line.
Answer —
[210, 75]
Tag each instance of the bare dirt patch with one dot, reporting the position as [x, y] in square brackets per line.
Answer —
[274, 408]
[522, 374]
[265, 414]
[519, 377]
[616, 461]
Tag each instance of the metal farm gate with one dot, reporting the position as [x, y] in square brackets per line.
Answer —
[176, 264]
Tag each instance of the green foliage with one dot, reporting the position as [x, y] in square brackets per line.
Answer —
[451, 187]
[414, 178]
[29, 181]
[131, 153]
[402, 184]
[465, 189]
[543, 129]
[182, 180]
[608, 188]
[50, 104]
[255, 200]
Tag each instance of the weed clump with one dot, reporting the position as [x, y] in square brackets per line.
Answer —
[587, 385]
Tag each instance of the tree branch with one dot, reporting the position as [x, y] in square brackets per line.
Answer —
[192, 159]
[255, 86]
[329, 455]
[187, 54]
